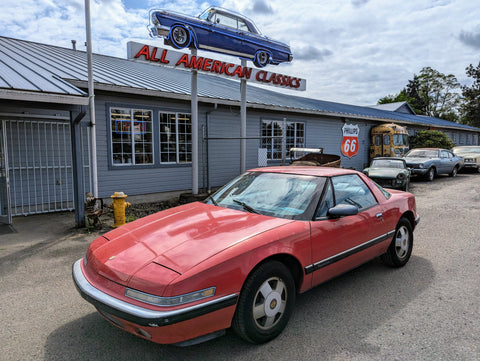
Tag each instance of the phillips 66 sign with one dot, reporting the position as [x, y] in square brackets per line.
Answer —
[350, 140]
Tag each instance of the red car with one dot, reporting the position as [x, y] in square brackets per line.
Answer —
[239, 259]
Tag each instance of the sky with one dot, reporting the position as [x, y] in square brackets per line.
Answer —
[349, 51]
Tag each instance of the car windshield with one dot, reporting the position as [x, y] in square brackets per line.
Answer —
[387, 163]
[423, 153]
[272, 194]
[466, 150]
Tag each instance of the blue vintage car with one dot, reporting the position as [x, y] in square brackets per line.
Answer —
[221, 31]
[429, 162]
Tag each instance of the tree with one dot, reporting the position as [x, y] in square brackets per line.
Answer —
[471, 95]
[431, 139]
[437, 92]
[430, 93]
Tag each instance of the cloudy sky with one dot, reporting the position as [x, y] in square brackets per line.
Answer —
[350, 51]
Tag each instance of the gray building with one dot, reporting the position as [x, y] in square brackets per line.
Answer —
[144, 132]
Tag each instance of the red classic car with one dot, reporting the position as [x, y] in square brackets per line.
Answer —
[186, 274]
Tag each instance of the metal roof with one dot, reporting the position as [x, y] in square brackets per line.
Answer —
[42, 68]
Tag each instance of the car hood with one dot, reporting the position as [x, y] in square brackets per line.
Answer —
[416, 160]
[178, 239]
[468, 155]
[383, 172]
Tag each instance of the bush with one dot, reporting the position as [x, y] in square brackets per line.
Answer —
[431, 139]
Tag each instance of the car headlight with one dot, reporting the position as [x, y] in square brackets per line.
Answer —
[400, 176]
[421, 166]
[169, 301]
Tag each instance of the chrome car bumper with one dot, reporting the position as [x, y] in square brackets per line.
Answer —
[139, 315]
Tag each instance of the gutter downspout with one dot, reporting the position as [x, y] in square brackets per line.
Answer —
[91, 102]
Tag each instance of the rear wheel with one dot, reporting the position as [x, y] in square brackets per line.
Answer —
[262, 58]
[265, 304]
[400, 248]
[454, 172]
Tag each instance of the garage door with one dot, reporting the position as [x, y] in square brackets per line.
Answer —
[40, 166]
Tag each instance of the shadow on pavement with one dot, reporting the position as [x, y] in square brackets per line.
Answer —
[334, 318]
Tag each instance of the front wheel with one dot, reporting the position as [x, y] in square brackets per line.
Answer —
[431, 174]
[265, 304]
[179, 36]
[400, 248]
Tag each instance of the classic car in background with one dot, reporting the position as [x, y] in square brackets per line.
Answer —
[240, 258]
[470, 155]
[221, 31]
[389, 172]
[429, 162]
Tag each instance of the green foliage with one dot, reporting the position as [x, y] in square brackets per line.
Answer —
[471, 95]
[431, 139]
[430, 93]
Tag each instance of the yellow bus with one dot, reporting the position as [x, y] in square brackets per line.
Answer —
[388, 140]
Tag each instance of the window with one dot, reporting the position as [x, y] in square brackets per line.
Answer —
[346, 189]
[175, 138]
[131, 136]
[272, 133]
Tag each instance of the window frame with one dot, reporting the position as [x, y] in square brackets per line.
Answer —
[133, 142]
[278, 139]
[177, 143]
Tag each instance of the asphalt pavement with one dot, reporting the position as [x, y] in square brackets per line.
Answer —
[427, 310]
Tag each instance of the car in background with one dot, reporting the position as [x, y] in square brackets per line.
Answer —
[429, 162]
[470, 155]
[239, 259]
[219, 30]
[389, 172]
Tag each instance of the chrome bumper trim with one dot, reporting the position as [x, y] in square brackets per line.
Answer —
[139, 315]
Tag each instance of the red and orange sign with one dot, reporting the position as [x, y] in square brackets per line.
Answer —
[350, 143]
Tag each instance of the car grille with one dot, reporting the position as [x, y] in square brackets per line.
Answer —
[384, 182]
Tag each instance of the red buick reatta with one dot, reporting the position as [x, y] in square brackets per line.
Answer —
[239, 259]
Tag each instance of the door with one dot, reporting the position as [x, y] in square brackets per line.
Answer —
[343, 243]
[5, 210]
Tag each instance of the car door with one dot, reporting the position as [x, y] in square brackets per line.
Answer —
[225, 33]
[446, 161]
[343, 243]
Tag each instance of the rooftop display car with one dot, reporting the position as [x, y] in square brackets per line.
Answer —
[221, 31]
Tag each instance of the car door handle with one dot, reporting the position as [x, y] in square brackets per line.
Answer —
[379, 215]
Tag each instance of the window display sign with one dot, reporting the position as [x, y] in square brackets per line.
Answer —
[350, 140]
[167, 57]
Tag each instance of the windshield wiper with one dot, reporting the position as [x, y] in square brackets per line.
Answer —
[245, 206]
[212, 200]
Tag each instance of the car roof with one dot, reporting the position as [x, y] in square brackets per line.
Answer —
[389, 158]
[306, 170]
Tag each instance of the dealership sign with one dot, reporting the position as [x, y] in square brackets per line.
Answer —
[350, 140]
[162, 56]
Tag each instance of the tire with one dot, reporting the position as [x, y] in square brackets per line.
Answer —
[262, 58]
[265, 304]
[454, 172]
[400, 248]
[431, 174]
[179, 37]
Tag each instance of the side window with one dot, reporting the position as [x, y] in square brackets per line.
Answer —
[327, 201]
[350, 189]
[346, 189]
[386, 139]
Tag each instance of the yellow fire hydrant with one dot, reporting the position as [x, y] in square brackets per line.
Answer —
[118, 205]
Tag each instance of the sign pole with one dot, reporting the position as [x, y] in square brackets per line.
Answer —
[243, 121]
[194, 111]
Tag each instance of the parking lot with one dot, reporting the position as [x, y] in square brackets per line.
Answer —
[427, 310]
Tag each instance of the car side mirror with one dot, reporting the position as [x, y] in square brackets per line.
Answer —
[342, 210]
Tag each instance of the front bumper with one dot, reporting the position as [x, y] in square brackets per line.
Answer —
[140, 315]
[419, 171]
